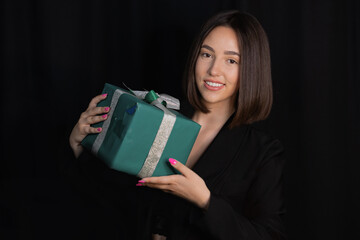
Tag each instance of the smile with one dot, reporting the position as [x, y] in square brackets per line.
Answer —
[214, 86]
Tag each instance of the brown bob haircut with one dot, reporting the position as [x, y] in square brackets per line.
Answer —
[254, 97]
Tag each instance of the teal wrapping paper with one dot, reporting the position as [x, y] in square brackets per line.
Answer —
[138, 137]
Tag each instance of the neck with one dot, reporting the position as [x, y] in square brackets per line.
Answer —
[217, 116]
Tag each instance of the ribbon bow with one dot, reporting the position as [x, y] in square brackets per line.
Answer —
[150, 96]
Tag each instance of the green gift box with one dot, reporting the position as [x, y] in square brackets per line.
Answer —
[140, 136]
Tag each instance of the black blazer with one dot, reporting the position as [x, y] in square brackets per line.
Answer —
[242, 167]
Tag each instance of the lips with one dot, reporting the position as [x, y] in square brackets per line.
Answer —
[213, 85]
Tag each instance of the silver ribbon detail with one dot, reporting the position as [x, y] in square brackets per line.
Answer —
[101, 136]
[160, 141]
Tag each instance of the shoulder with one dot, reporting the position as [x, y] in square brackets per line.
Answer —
[255, 135]
[257, 142]
[263, 138]
[272, 150]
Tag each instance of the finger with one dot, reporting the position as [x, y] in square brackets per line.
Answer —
[88, 130]
[184, 170]
[97, 110]
[159, 180]
[164, 187]
[95, 119]
[97, 99]
[89, 116]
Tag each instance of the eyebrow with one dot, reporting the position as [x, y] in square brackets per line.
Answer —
[226, 52]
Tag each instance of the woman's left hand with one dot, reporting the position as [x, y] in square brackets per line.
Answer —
[187, 185]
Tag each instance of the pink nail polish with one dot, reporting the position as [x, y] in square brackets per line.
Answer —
[141, 181]
[104, 116]
[139, 185]
[99, 129]
[172, 161]
[107, 109]
[104, 95]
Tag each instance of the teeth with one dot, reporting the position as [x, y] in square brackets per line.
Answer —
[212, 84]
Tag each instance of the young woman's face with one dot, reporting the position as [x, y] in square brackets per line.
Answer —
[217, 67]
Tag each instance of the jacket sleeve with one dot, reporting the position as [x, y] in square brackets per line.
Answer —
[260, 216]
[92, 178]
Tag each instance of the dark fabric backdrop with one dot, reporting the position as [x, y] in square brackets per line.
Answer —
[56, 55]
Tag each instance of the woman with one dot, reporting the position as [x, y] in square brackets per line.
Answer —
[231, 186]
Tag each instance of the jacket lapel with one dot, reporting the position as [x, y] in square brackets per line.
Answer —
[217, 158]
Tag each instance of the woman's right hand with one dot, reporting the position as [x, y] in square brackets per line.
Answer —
[93, 114]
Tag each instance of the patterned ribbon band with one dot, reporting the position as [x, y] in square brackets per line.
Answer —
[160, 141]
[101, 136]
[162, 135]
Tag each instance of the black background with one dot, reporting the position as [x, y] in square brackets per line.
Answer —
[56, 55]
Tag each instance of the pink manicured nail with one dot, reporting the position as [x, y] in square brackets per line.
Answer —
[141, 181]
[172, 161]
[99, 129]
[104, 95]
[104, 116]
[139, 185]
[107, 109]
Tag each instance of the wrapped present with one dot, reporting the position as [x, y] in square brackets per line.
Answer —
[141, 134]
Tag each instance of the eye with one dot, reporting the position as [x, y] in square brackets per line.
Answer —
[205, 55]
[232, 61]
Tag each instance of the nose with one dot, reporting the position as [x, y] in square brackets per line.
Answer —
[214, 68]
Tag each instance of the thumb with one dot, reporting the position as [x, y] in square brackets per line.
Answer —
[179, 166]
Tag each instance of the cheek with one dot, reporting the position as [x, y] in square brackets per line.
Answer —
[234, 77]
[201, 67]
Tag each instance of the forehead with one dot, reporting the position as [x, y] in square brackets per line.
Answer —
[222, 38]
